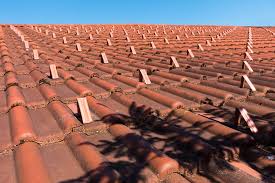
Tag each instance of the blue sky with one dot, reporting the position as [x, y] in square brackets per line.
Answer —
[221, 12]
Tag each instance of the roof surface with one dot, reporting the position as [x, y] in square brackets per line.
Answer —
[167, 103]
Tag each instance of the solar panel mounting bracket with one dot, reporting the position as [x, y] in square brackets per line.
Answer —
[246, 79]
[53, 71]
[242, 113]
[246, 64]
[190, 53]
[104, 58]
[78, 47]
[143, 76]
[153, 45]
[64, 40]
[35, 54]
[174, 62]
[132, 48]
[84, 110]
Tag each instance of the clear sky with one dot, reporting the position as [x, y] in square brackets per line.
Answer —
[221, 12]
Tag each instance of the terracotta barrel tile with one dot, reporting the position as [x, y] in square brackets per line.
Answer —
[122, 99]
[91, 159]
[31, 66]
[232, 135]
[14, 97]
[26, 57]
[188, 74]
[210, 91]
[105, 84]
[64, 74]
[175, 178]
[8, 67]
[129, 81]
[106, 69]
[261, 100]
[226, 72]
[170, 76]
[260, 82]
[29, 164]
[11, 79]
[159, 80]
[87, 72]
[159, 162]
[100, 109]
[5, 52]
[174, 104]
[255, 109]
[195, 143]
[203, 72]
[161, 65]
[78, 88]
[125, 67]
[83, 150]
[91, 61]
[6, 58]
[21, 125]
[260, 160]
[263, 89]
[143, 66]
[226, 87]
[73, 63]
[119, 130]
[47, 92]
[38, 76]
[186, 94]
[63, 115]
[265, 78]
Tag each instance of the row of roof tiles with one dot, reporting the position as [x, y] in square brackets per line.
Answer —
[189, 110]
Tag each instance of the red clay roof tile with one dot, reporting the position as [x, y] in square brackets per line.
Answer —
[184, 121]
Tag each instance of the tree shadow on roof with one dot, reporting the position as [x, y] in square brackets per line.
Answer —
[171, 136]
[168, 136]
